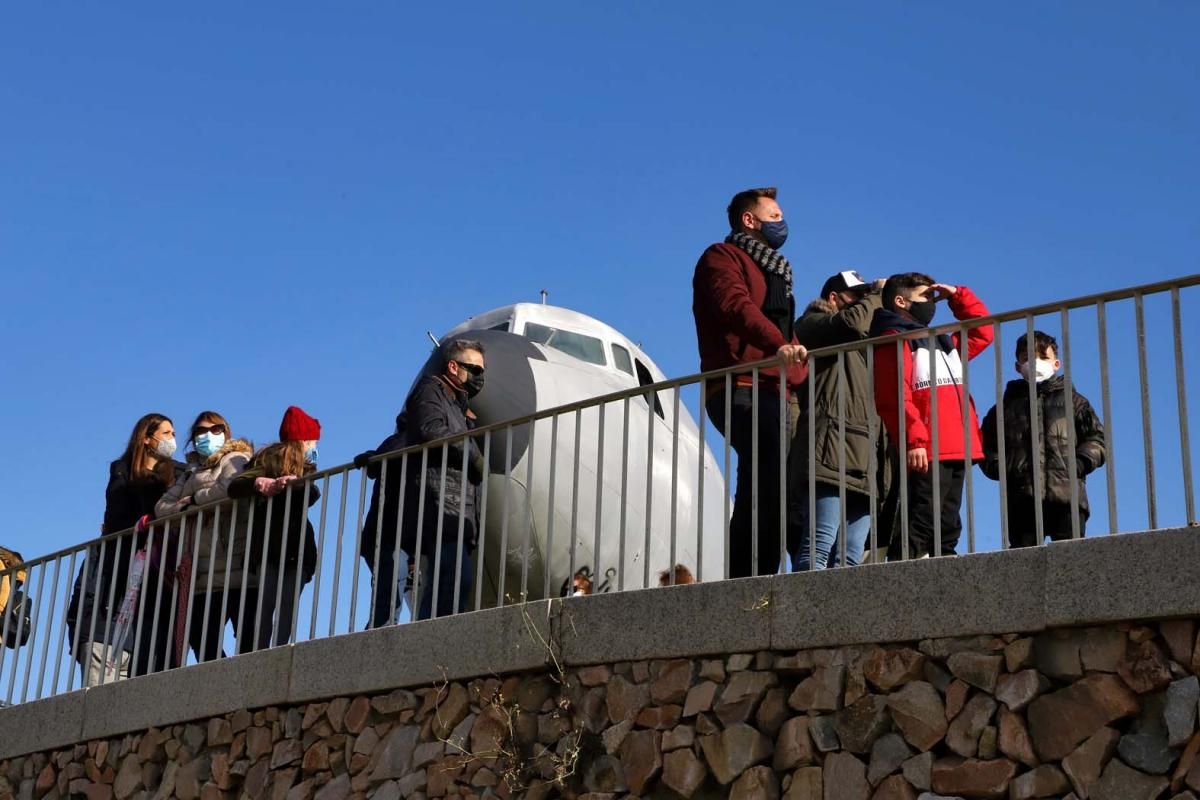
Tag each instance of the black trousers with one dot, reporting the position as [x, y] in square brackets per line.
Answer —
[921, 511]
[210, 631]
[741, 439]
[1056, 521]
[270, 626]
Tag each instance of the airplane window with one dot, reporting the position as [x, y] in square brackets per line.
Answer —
[645, 379]
[503, 326]
[585, 348]
[621, 358]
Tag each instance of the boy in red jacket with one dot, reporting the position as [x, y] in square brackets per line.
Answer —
[909, 303]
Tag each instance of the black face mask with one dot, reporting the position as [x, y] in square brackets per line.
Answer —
[923, 312]
[474, 384]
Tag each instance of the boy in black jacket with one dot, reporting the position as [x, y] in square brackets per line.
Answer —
[1056, 456]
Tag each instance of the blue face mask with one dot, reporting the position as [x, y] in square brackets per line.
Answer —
[775, 233]
[209, 443]
[310, 455]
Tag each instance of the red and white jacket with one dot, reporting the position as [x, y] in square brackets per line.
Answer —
[918, 394]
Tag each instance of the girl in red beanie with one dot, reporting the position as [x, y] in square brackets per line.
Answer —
[285, 549]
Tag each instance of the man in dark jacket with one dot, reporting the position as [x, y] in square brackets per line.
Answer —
[1055, 456]
[843, 421]
[743, 304]
[434, 505]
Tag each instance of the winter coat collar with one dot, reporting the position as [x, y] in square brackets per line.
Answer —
[821, 306]
[456, 395]
[1021, 386]
[887, 321]
[197, 461]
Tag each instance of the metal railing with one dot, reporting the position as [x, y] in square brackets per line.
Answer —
[618, 488]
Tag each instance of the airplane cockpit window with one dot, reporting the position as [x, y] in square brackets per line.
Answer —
[585, 348]
[503, 326]
[645, 379]
[621, 359]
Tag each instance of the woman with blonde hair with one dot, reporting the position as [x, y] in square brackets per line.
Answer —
[281, 542]
[215, 545]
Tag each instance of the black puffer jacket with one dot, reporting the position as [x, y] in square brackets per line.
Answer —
[1055, 418]
[434, 411]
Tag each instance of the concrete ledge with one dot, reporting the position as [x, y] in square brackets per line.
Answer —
[1144, 576]
[982, 593]
[1128, 576]
[726, 617]
[494, 641]
[42, 725]
[253, 680]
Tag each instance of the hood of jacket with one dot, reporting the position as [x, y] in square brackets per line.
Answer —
[197, 461]
[822, 306]
[888, 321]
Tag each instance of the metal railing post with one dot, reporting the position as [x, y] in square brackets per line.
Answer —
[1185, 442]
[1147, 430]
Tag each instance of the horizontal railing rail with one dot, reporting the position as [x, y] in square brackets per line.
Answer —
[607, 492]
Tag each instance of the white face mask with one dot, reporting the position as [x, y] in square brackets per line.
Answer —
[165, 447]
[1042, 370]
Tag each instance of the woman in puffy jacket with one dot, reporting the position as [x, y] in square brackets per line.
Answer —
[215, 543]
[101, 642]
[281, 541]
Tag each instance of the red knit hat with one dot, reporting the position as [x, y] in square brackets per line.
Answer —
[298, 426]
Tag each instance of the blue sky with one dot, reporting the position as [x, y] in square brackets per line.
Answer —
[246, 207]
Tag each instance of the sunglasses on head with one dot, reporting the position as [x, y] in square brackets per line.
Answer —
[474, 369]
[218, 430]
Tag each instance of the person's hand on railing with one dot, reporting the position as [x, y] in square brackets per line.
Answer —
[791, 354]
[363, 459]
[918, 460]
[269, 487]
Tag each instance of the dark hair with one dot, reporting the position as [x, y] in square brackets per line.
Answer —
[457, 348]
[1043, 343]
[898, 284]
[211, 417]
[745, 201]
[135, 454]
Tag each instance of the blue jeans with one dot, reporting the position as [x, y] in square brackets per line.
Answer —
[829, 520]
[445, 576]
[381, 585]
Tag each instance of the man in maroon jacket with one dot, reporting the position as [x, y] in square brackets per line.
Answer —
[743, 304]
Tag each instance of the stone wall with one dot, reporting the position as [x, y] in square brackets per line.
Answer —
[1106, 712]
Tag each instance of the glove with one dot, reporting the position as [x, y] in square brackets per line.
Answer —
[361, 460]
[475, 467]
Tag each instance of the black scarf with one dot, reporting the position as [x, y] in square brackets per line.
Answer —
[779, 306]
